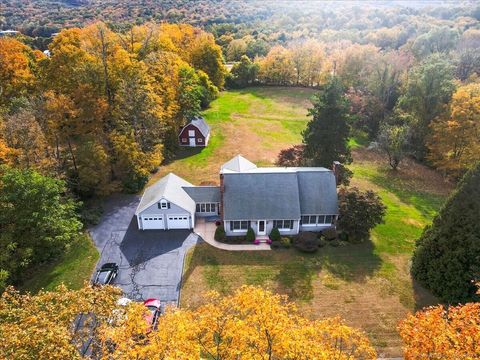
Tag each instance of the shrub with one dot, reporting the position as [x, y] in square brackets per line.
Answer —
[321, 243]
[447, 255]
[330, 233]
[275, 245]
[275, 235]
[220, 234]
[218, 223]
[286, 242]
[334, 243]
[91, 215]
[359, 213]
[306, 242]
[250, 235]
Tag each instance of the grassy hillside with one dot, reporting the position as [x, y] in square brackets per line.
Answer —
[367, 284]
[255, 123]
[72, 269]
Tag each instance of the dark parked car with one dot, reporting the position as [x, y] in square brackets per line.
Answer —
[107, 273]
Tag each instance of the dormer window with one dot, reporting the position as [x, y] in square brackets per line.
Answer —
[163, 204]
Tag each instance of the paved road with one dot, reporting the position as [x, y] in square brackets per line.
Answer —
[150, 262]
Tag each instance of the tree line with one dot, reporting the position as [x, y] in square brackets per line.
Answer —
[96, 116]
[420, 100]
[104, 109]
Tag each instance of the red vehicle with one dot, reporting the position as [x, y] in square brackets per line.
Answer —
[154, 311]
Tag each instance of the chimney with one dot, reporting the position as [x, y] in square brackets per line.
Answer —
[337, 168]
[222, 190]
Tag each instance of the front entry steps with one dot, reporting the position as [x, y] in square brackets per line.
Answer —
[262, 238]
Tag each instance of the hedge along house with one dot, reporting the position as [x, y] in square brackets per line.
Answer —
[195, 133]
[291, 199]
[174, 203]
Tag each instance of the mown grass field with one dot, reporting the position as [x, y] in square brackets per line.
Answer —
[367, 284]
[72, 269]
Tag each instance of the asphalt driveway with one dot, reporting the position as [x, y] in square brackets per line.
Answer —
[150, 262]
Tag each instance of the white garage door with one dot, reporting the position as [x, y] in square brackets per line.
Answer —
[178, 222]
[151, 222]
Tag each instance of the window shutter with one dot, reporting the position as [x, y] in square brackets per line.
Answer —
[158, 204]
[168, 205]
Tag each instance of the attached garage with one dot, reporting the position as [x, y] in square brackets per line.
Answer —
[150, 222]
[165, 205]
[178, 222]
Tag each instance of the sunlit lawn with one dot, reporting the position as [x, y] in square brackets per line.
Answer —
[72, 269]
[256, 123]
[367, 284]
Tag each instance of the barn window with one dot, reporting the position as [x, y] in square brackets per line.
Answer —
[184, 140]
[199, 140]
[191, 132]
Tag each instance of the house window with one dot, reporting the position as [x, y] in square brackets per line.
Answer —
[239, 225]
[309, 219]
[283, 224]
[206, 207]
[317, 219]
[163, 204]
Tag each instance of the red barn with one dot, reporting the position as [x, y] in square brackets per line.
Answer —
[195, 133]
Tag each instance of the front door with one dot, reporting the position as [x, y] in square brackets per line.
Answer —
[261, 227]
[192, 141]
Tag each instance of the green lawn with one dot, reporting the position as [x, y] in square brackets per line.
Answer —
[256, 123]
[72, 269]
[368, 284]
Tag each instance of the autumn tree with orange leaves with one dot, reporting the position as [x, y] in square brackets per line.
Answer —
[442, 333]
[252, 323]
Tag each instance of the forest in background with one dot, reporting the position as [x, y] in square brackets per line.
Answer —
[101, 109]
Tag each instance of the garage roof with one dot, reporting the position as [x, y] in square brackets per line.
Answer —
[170, 188]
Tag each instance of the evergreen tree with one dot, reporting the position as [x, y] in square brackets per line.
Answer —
[326, 135]
[447, 255]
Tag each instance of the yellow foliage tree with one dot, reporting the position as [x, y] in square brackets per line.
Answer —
[250, 324]
[16, 69]
[455, 144]
[277, 67]
[42, 326]
[442, 333]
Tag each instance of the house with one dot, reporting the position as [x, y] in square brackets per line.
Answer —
[174, 203]
[292, 199]
[195, 133]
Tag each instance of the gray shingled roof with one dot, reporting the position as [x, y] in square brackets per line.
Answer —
[318, 192]
[201, 125]
[169, 188]
[261, 196]
[204, 194]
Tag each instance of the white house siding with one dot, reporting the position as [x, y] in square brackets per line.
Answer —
[268, 227]
[174, 210]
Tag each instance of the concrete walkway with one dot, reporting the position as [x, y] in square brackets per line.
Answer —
[206, 230]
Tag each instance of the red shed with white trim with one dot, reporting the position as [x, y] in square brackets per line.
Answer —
[195, 133]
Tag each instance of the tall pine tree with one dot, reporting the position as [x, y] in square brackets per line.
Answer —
[447, 255]
[326, 135]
